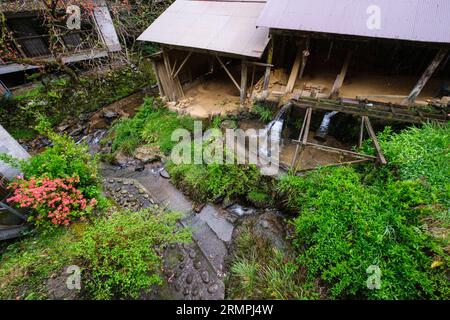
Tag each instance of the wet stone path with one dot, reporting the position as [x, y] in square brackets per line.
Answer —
[192, 271]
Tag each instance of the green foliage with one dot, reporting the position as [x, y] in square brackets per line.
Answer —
[345, 226]
[26, 265]
[153, 124]
[64, 159]
[259, 270]
[122, 254]
[60, 98]
[262, 111]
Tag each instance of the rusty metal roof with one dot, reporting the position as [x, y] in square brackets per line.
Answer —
[411, 20]
[219, 26]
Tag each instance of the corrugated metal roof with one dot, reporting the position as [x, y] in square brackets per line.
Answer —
[220, 26]
[412, 20]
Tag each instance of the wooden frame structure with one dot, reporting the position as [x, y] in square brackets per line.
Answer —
[302, 143]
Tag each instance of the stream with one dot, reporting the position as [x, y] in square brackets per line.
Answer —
[193, 271]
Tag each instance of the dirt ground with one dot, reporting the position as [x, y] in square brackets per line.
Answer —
[371, 86]
[215, 96]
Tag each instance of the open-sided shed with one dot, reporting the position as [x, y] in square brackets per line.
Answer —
[222, 30]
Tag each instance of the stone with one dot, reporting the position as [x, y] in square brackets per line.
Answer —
[186, 291]
[195, 291]
[197, 264]
[213, 288]
[189, 278]
[164, 174]
[148, 154]
[265, 224]
[110, 115]
[140, 166]
[205, 276]
[192, 254]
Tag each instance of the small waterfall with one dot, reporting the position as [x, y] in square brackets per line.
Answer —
[324, 126]
[271, 134]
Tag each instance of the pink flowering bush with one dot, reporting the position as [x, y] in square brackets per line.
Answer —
[55, 201]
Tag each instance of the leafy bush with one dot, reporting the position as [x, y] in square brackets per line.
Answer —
[153, 124]
[344, 227]
[54, 200]
[65, 159]
[121, 255]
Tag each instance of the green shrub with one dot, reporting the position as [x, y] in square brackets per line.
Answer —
[63, 159]
[153, 124]
[344, 227]
[121, 255]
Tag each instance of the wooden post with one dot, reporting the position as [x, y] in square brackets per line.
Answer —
[229, 73]
[303, 137]
[158, 79]
[243, 83]
[369, 128]
[265, 92]
[300, 61]
[425, 77]
[361, 133]
[341, 76]
[170, 95]
[182, 64]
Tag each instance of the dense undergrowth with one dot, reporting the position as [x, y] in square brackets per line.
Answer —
[60, 98]
[119, 255]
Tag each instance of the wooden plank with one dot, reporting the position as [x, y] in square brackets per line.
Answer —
[425, 77]
[336, 150]
[359, 161]
[158, 79]
[243, 89]
[229, 73]
[265, 91]
[182, 64]
[341, 76]
[369, 128]
[294, 72]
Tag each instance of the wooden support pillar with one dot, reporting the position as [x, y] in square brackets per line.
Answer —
[361, 133]
[265, 92]
[158, 80]
[229, 73]
[341, 76]
[170, 95]
[299, 64]
[372, 135]
[303, 137]
[425, 77]
[243, 90]
[182, 64]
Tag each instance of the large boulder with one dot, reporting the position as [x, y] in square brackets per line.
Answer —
[148, 154]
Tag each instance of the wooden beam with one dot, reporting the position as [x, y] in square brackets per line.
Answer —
[243, 89]
[294, 72]
[425, 77]
[229, 73]
[182, 64]
[170, 95]
[341, 76]
[335, 150]
[158, 79]
[300, 138]
[361, 133]
[304, 60]
[369, 128]
[359, 161]
[265, 91]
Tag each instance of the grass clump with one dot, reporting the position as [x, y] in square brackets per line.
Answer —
[260, 271]
[153, 124]
[263, 112]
